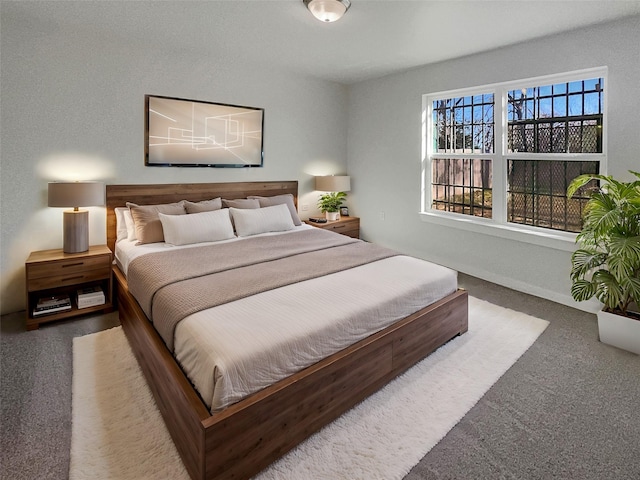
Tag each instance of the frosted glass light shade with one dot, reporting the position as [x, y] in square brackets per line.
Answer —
[333, 183]
[328, 10]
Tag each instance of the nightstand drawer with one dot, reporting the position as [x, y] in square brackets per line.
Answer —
[349, 226]
[350, 233]
[68, 278]
[68, 266]
[343, 226]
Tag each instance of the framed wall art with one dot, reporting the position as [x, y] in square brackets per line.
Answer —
[192, 133]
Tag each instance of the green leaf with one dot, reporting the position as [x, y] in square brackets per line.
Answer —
[585, 260]
[632, 287]
[582, 290]
[581, 181]
[608, 290]
[619, 267]
[627, 248]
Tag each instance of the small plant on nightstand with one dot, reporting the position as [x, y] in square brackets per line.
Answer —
[330, 204]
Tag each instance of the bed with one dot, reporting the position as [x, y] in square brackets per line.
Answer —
[241, 438]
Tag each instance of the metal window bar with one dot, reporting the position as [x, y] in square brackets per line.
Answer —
[561, 121]
[558, 135]
[462, 186]
[464, 124]
[536, 193]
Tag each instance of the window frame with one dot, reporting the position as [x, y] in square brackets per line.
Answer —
[498, 225]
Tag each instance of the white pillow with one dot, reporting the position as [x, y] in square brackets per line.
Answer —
[197, 227]
[253, 221]
[131, 226]
[287, 199]
[121, 226]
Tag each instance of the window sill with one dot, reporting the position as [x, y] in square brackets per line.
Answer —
[521, 233]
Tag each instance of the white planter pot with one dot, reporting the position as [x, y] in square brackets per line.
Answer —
[332, 215]
[619, 331]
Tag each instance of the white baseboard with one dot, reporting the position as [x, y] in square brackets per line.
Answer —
[590, 306]
[561, 298]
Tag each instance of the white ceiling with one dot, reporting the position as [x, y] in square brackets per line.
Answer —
[374, 38]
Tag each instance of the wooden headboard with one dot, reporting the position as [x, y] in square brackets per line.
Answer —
[146, 194]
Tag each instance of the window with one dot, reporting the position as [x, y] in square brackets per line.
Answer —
[507, 152]
[463, 126]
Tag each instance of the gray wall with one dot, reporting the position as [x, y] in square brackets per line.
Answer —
[385, 150]
[72, 109]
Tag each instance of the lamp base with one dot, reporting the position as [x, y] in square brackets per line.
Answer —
[75, 231]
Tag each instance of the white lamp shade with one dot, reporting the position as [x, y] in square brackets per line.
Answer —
[76, 194]
[328, 10]
[333, 183]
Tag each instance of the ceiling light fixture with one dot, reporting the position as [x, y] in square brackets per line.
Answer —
[327, 10]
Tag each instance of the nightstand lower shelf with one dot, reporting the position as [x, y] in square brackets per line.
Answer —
[34, 322]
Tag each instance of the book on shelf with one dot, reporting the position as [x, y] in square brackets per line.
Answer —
[54, 304]
[91, 302]
[90, 296]
[94, 291]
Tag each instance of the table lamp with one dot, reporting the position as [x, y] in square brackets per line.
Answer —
[336, 185]
[76, 221]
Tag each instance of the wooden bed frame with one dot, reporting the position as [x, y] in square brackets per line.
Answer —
[246, 437]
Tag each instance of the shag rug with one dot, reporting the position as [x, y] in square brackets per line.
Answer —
[118, 432]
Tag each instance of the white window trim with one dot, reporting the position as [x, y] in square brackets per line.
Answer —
[498, 225]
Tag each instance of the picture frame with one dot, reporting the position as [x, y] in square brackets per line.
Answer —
[193, 133]
[344, 211]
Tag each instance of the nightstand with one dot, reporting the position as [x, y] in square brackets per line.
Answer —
[349, 226]
[53, 273]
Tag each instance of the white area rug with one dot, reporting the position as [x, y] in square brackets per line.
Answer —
[119, 434]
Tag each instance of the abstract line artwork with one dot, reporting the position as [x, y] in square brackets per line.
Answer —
[191, 133]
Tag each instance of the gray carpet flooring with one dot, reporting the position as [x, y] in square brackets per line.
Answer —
[568, 409]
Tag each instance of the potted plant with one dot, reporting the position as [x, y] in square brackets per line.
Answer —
[607, 264]
[330, 203]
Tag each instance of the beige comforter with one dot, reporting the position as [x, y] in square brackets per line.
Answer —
[175, 284]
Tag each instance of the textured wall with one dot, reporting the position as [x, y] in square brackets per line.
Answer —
[72, 108]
